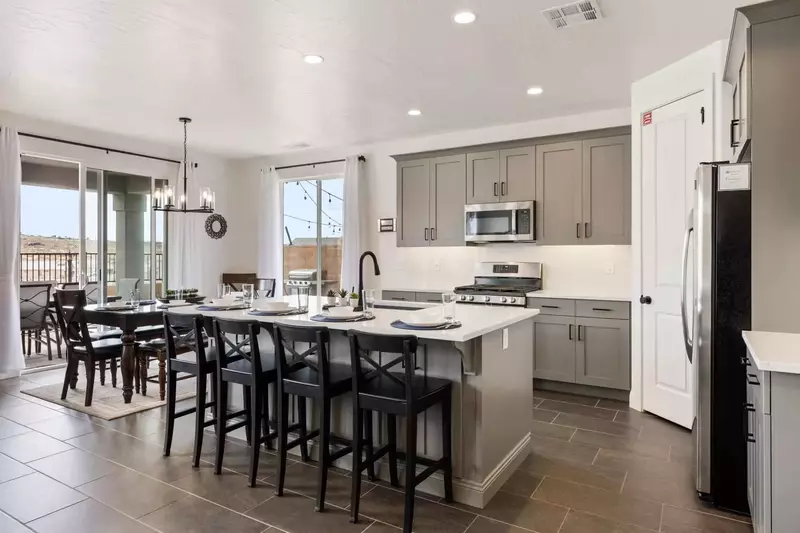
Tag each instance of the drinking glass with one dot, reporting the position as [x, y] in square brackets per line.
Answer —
[222, 289]
[368, 302]
[136, 298]
[302, 296]
[449, 307]
[247, 294]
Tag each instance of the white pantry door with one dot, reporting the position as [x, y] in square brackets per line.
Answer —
[673, 145]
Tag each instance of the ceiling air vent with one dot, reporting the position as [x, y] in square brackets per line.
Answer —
[573, 14]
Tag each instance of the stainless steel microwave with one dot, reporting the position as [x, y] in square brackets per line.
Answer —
[501, 222]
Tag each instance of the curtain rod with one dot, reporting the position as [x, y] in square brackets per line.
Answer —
[95, 147]
[360, 158]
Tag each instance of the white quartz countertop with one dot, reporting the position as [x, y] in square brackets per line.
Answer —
[774, 352]
[579, 295]
[475, 320]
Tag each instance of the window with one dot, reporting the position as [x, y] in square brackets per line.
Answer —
[312, 236]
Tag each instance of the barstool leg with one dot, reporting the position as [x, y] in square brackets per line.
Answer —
[324, 451]
[256, 414]
[199, 416]
[391, 429]
[303, 420]
[355, 475]
[446, 446]
[265, 425]
[368, 436]
[283, 439]
[222, 420]
[411, 471]
[171, 392]
[248, 414]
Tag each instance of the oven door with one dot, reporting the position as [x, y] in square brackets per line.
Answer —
[502, 222]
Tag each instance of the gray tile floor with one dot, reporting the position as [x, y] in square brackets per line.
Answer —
[596, 467]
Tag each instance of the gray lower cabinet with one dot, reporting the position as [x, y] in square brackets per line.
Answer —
[585, 349]
[412, 296]
[603, 353]
[430, 201]
[554, 348]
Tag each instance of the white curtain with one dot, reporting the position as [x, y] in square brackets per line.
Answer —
[11, 358]
[353, 233]
[270, 229]
[185, 234]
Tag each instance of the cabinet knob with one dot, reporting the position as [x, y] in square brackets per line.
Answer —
[646, 300]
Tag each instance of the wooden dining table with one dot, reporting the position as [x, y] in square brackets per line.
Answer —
[127, 321]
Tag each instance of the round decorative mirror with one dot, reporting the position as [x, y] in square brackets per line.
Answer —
[216, 226]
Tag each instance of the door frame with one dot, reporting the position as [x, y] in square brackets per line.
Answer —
[659, 90]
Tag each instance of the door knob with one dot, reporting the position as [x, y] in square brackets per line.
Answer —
[645, 300]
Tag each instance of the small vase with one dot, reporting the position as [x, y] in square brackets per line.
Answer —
[341, 302]
[331, 300]
[353, 302]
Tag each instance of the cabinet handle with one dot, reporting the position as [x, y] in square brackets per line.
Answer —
[495, 189]
[578, 230]
[586, 228]
[735, 122]
[550, 306]
[398, 298]
[601, 309]
[745, 360]
[749, 407]
[752, 379]
[503, 188]
[433, 234]
[426, 234]
[570, 332]
[579, 333]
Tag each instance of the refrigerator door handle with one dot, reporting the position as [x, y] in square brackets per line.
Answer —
[685, 323]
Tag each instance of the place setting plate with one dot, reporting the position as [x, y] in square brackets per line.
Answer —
[341, 314]
[425, 320]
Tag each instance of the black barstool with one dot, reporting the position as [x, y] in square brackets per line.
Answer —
[397, 394]
[244, 363]
[184, 334]
[317, 378]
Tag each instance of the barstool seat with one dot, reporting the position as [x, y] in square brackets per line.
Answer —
[244, 367]
[426, 392]
[340, 378]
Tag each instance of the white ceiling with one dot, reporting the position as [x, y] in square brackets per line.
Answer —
[235, 66]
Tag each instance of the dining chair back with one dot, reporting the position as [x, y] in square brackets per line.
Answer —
[265, 287]
[125, 286]
[92, 290]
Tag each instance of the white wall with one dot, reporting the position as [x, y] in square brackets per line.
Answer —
[700, 71]
[566, 268]
[235, 252]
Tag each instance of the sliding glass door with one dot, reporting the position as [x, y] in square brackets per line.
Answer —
[312, 236]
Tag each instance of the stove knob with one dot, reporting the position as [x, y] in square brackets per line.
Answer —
[487, 299]
[504, 299]
[462, 298]
[513, 300]
[471, 298]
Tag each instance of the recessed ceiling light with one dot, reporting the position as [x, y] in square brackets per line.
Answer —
[313, 60]
[414, 112]
[464, 17]
[533, 91]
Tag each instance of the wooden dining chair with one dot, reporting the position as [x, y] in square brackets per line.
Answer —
[34, 316]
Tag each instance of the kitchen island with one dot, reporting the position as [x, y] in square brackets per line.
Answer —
[488, 359]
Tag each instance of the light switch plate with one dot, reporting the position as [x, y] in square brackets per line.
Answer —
[505, 338]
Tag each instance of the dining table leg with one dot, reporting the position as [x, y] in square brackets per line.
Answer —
[128, 364]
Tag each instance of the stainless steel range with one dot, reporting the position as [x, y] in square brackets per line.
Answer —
[502, 284]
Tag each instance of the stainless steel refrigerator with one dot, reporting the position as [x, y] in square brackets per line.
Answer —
[715, 309]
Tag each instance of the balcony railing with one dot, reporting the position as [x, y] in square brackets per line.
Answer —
[63, 267]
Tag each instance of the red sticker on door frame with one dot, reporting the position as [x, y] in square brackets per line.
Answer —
[647, 118]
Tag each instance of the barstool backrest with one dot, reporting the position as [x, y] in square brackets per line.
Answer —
[362, 345]
[72, 320]
[33, 301]
[267, 285]
[184, 332]
[317, 337]
[229, 349]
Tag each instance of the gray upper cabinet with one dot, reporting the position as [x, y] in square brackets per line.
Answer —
[603, 353]
[517, 174]
[430, 201]
[483, 177]
[413, 198]
[558, 186]
[554, 348]
[606, 195]
[447, 200]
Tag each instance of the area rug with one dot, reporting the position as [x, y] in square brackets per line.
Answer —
[107, 402]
